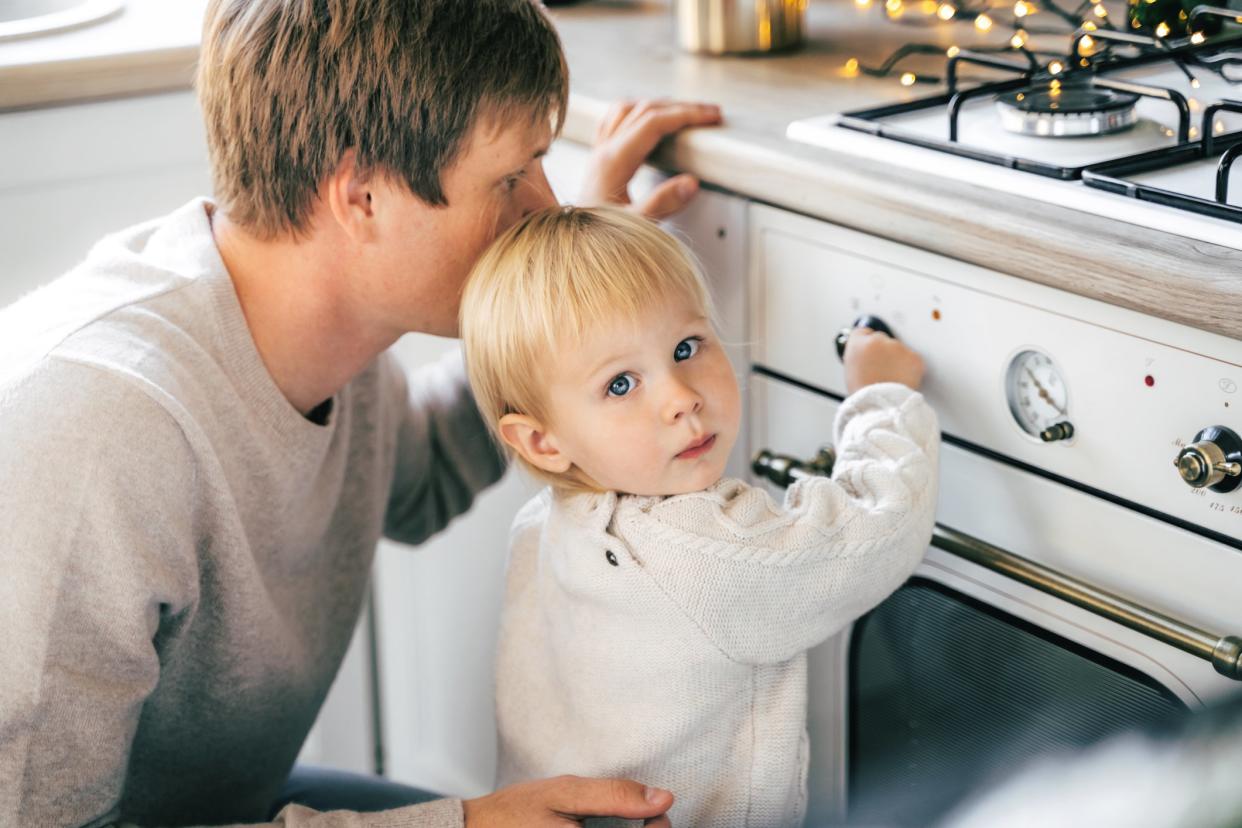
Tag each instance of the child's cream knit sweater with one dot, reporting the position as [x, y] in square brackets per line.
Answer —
[664, 639]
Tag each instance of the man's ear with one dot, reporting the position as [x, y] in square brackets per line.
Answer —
[533, 443]
[347, 193]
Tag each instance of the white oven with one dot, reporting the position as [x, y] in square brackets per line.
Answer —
[1076, 585]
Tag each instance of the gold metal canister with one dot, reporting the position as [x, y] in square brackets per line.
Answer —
[719, 27]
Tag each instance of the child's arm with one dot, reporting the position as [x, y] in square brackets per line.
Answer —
[764, 583]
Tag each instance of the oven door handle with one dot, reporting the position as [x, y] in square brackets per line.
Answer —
[1223, 651]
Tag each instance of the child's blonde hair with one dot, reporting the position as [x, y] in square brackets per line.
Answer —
[542, 284]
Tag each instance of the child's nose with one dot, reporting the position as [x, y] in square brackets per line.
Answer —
[682, 400]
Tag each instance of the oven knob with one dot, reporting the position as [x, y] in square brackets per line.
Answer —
[875, 323]
[784, 470]
[1213, 460]
[1061, 431]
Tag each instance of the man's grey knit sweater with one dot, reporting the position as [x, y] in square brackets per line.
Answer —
[183, 554]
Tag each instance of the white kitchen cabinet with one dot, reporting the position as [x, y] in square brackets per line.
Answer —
[71, 174]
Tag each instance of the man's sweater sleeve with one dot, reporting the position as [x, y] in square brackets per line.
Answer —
[445, 454]
[97, 544]
[764, 583]
[98, 550]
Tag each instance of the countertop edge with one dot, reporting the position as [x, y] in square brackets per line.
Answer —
[60, 82]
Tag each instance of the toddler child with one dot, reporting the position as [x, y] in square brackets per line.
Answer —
[657, 616]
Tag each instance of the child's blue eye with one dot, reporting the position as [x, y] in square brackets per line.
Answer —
[621, 385]
[686, 349]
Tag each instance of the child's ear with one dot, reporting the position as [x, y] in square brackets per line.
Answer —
[533, 443]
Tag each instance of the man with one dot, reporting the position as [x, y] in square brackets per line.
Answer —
[202, 437]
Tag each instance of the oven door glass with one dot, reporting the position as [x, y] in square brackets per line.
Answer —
[947, 694]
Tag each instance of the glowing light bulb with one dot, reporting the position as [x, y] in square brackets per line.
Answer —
[946, 11]
[1197, 38]
[983, 23]
[1021, 8]
[1100, 11]
[1086, 45]
[851, 67]
[1018, 40]
[863, 4]
[1194, 133]
[1217, 127]
[952, 52]
[1088, 26]
[1194, 83]
[908, 79]
[1055, 67]
[1163, 29]
[892, 6]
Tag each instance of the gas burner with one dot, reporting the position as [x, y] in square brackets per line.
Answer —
[1066, 111]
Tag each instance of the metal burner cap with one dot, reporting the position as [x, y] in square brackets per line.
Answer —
[1066, 111]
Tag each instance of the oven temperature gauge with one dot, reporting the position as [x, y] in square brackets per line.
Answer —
[1038, 398]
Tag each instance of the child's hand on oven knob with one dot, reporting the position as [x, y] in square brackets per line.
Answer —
[872, 356]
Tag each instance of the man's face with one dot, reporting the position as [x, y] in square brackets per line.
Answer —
[496, 180]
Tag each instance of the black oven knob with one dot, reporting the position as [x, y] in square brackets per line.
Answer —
[1213, 460]
[875, 323]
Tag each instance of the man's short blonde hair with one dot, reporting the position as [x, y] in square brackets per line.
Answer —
[554, 276]
[287, 87]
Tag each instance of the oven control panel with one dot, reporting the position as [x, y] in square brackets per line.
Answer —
[1139, 408]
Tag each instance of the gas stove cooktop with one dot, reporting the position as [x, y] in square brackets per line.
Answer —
[1150, 118]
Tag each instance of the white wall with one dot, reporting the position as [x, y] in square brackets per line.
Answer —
[71, 174]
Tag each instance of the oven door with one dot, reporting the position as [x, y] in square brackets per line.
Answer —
[965, 673]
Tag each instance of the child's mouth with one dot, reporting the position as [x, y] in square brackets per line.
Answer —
[699, 448]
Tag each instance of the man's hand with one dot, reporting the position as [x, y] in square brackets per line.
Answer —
[626, 136]
[567, 800]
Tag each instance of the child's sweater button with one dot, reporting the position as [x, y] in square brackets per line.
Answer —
[612, 559]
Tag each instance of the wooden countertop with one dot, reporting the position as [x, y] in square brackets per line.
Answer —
[620, 49]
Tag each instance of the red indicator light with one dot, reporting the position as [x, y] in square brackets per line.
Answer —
[1149, 380]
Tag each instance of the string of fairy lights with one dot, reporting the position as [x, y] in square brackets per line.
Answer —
[1158, 19]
